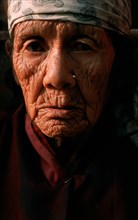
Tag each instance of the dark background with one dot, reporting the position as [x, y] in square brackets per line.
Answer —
[134, 4]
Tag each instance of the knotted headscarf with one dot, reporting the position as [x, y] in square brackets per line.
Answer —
[110, 14]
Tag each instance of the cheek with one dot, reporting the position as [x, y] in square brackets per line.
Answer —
[25, 66]
[21, 72]
[93, 83]
[30, 80]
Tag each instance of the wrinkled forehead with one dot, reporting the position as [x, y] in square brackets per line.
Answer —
[52, 29]
[110, 14]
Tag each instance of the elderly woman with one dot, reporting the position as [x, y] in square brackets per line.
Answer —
[61, 158]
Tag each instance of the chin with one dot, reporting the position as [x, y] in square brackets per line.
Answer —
[56, 128]
[60, 133]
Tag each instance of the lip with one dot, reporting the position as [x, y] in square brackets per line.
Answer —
[62, 113]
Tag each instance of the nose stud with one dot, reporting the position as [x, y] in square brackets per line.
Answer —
[74, 76]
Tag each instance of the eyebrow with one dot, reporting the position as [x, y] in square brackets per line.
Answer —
[78, 30]
[78, 36]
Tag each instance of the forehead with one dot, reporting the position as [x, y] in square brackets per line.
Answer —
[54, 28]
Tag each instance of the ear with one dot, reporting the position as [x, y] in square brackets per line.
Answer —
[8, 48]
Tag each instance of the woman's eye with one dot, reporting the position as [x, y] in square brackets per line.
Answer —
[85, 44]
[35, 47]
[80, 46]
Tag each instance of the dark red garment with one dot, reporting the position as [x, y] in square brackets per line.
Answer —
[98, 181]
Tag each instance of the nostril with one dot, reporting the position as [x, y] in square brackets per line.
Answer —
[60, 86]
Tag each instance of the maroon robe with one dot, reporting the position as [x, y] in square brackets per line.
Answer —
[98, 181]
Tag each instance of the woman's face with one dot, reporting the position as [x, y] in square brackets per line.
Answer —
[46, 55]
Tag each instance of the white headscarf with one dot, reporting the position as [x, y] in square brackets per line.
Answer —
[110, 14]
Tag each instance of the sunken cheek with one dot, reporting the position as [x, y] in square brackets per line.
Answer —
[25, 66]
[29, 76]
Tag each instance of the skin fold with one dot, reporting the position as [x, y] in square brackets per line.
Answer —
[45, 57]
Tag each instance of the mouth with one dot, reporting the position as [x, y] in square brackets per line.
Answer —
[66, 112]
[63, 108]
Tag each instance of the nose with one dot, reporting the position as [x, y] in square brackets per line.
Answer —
[58, 73]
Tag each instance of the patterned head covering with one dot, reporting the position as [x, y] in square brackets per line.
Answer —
[110, 14]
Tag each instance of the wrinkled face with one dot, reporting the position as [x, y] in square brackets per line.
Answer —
[46, 55]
